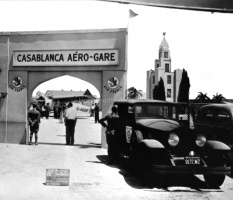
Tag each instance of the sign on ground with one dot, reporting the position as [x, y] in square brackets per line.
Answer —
[57, 177]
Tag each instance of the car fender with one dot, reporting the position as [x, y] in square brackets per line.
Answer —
[150, 151]
[148, 143]
[217, 145]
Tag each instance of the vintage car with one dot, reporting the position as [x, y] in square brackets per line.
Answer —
[152, 138]
[216, 121]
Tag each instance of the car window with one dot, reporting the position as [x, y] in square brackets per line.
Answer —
[156, 111]
[222, 117]
[206, 115]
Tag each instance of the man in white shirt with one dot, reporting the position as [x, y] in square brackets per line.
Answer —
[70, 122]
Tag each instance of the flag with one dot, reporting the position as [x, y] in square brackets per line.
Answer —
[132, 14]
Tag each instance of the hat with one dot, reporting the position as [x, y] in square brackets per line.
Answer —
[69, 104]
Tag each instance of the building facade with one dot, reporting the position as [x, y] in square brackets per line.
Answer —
[162, 69]
[28, 59]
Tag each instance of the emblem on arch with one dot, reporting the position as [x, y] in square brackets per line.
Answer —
[113, 82]
[17, 81]
[17, 84]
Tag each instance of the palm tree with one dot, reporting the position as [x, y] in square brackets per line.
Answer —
[218, 98]
[133, 93]
[202, 98]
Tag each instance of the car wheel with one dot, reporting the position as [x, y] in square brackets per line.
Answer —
[215, 180]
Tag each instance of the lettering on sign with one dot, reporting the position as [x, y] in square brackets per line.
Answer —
[17, 84]
[66, 57]
[57, 177]
[82, 109]
[113, 85]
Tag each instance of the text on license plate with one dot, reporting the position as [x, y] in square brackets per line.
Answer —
[192, 160]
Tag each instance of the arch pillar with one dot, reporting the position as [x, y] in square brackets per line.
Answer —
[109, 95]
[17, 111]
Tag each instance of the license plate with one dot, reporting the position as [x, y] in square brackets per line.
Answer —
[192, 160]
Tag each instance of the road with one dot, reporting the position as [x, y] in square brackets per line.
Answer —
[23, 171]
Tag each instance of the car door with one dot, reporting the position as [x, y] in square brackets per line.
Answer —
[222, 126]
[205, 122]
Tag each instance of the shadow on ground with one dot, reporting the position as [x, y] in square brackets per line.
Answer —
[83, 146]
[165, 182]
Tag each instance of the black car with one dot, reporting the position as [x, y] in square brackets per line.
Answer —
[216, 121]
[151, 136]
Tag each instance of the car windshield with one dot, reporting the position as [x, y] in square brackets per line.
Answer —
[156, 111]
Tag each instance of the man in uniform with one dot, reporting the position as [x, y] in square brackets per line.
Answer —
[70, 122]
[112, 120]
[34, 121]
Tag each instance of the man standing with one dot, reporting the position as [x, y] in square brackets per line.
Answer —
[34, 121]
[112, 127]
[96, 109]
[70, 122]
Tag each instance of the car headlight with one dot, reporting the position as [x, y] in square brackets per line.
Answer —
[200, 140]
[173, 139]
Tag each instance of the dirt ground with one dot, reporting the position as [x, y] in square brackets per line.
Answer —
[23, 171]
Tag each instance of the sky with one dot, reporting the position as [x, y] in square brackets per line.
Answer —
[199, 42]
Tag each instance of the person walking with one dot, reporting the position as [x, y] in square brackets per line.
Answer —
[60, 111]
[55, 110]
[112, 120]
[70, 122]
[63, 107]
[34, 121]
[47, 110]
[92, 110]
[96, 110]
[39, 109]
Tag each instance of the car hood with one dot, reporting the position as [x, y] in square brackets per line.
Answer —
[159, 124]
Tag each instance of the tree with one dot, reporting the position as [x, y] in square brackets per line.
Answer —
[202, 98]
[218, 98]
[184, 88]
[159, 91]
[133, 93]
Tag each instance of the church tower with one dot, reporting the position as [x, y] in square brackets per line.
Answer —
[163, 64]
[162, 70]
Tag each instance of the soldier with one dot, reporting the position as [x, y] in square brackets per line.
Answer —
[34, 121]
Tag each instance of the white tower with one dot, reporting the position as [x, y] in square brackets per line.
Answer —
[163, 70]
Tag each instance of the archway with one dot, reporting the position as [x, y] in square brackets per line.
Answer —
[62, 89]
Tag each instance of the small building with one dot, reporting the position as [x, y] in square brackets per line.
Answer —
[65, 96]
[42, 99]
[163, 70]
